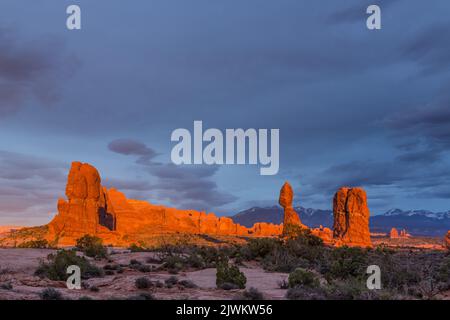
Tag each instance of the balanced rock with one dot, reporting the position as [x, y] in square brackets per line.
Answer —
[351, 217]
[290, 216]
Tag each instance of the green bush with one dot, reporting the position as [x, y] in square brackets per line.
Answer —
[260, 248]
[346, 262]
[229, 274]
[56, 266]
[92, 247]
[303, 277]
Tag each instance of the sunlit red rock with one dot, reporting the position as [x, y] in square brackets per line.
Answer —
[393, 234]
[351, 217]
[92, 209]
[291, 217]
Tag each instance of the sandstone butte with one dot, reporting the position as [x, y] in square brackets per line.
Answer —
[108, 214]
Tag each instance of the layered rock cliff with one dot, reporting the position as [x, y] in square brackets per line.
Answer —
[92, 209]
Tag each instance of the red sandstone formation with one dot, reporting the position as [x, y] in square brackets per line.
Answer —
[326, 234]
[290, 216]
[108, 214]
[351, 217]
[393, 234]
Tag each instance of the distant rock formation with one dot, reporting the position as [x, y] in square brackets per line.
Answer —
[291, 218]
[393, 234]
[92, 209]
[351, 217]
[404, 234]
[447, 240]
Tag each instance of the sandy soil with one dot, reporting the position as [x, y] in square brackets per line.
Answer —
[17, 267]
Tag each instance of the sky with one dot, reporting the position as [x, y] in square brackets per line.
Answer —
[355, 107]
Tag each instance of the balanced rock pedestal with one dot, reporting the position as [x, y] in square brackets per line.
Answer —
[291, 219]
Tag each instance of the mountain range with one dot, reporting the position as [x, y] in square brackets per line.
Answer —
[416, 222]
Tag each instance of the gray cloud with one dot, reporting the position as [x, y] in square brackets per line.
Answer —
[31, 70]
[135, 148]
[30, 187]
[185, 186]
[430, 48]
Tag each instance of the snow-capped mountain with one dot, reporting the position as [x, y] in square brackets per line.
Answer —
[422, 213]
[416, 222]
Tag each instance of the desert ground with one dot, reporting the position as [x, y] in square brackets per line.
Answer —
[17, 267]
[410, 262]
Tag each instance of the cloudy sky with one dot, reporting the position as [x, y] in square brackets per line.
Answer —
[354, 107]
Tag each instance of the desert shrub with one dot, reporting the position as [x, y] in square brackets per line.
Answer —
[171, 281]
[137, 248]
[259, 248]
[303, 277]
[348, 289]
[6, 286]
[134, 262]
[346, 262]
[306, 293]
[56, 266]
[229, 274]
[174, 263]
[142, 296]
[153, 260]
[92, 247]
[50, 294]
[251, 294]
[187, 284]
[229, 286]
[35, 244]
[143, 283]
